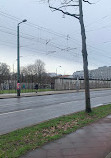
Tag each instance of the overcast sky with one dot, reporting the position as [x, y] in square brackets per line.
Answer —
[53, 38]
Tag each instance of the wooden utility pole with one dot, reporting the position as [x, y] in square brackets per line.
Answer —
[71, 3]
[85, 61]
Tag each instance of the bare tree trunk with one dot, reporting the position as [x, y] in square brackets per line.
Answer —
[85, 61]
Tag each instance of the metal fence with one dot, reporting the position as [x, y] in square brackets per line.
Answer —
[10, 86]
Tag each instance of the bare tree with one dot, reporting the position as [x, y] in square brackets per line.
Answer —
[37, 70]
[67, 8]
[39, 67]
[4, 72]
[28, 70]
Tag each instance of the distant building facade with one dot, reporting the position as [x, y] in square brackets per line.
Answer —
[102, 73]
[52, 74]
[78, 74]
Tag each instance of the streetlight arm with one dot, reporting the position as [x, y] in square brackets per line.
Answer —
[22, 21]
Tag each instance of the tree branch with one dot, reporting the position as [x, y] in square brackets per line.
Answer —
[87, 1]
[67, 13]
[68, 6]
[67, 2]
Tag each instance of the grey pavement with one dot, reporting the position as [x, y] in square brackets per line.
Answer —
[92, 141]
[32, 94]
[108, 156]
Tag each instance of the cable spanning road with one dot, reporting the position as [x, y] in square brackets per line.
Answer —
[21, 112]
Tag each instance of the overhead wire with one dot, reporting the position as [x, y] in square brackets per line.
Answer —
[34, 38]
[53, 45]
[35, 26]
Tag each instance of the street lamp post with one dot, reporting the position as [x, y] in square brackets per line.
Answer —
[18, 58]
[56, 69]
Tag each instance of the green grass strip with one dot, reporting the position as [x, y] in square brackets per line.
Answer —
[17, 143]
[24, 91]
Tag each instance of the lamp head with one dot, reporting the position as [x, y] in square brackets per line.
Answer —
[24, 20]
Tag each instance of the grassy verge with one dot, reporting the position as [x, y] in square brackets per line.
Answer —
[17, 143]
[23, 91]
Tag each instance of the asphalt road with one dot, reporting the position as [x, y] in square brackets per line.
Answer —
[21, 112]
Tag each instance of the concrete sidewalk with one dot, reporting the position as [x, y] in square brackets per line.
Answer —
[32, 94]
[92, 141]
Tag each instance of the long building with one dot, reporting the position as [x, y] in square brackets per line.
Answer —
[102, 73]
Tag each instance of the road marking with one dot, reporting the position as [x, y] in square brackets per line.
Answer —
[15, 112]
[98, 105]
[10, 104]
[70, 102]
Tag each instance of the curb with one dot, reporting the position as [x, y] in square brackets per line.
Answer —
[108, 156]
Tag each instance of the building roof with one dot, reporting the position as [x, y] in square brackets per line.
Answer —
[65, 76]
